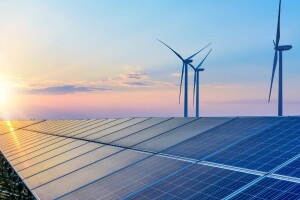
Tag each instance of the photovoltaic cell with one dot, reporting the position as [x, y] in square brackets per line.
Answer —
[70, 166]
[292, 169]
[57, 160]
[133, 178]
[88, 174]
[132, 129]
[266, 150]
[98, 123]
[196, 182]
[175, 136]
[153, 131]
[112, 129]
[102, 130]
[269, 188]
[50, 154]
[213, 140]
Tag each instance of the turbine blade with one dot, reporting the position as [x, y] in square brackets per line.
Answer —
[192, 66]
[204, 59]
[197, 52]
[273, 73]
[195, 79]
[172, 50]
[278, 25]
[182, 71]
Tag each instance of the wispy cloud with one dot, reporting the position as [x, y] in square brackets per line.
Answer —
[67, 89]
[119, 82]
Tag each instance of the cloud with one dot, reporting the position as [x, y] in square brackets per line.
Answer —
[65, 89]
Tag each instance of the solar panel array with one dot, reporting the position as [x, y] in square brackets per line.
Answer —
[156, 158]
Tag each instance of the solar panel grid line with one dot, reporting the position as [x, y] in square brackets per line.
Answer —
[82, 167]
[45, 124]
[6, 140]
[88, 128]
[114, 173]
[32, 145]
[103, 127]
[136, 132]
[107, 130]
[23, 142]
[24, 127]
[284, 178]
[64, 157]
[48, 124]
[29, 141]
[65, 161]
[165, 132]
[196, 182]
[35, 148]
[108, 134]
[269, 188]
[249, 136]
[61, 126]
[172, 138]
[285, 163]
[47, 157]
[75, 127]
[123, 128]
[90, 173]
[270, 141]
[35, 154]
[70, 125]
[233, 168]
[97, 125]
[156, 182]
[216, 127]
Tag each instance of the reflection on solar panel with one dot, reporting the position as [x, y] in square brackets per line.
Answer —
[151, 158]
[269, 188]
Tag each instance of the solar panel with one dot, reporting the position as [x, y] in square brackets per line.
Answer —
[104, 132]
[153, 131]
[193, 158]
[269, 188]
[181, 133]
[265, 150]
[62, 157]
[88, 174]
[131, 179]
[209, 142]
[132, 129]
[292, 169]
[196, 182]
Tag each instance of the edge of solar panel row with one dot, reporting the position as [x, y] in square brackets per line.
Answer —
[152, 158]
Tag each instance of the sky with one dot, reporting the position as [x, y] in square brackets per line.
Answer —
[92, 59]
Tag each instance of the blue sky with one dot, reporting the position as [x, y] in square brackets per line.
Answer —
[82, 44]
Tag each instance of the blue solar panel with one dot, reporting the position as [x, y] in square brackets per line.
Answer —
[196, 182]
[213, 140]
[292, 169]
[266, 150]
[269, 188]
[129, 180]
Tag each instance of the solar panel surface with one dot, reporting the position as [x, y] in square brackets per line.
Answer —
[156, 158]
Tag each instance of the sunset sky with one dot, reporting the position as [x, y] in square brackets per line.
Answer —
[92, 59]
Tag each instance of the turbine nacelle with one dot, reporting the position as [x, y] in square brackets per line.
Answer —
[283, 48]
[201, 69]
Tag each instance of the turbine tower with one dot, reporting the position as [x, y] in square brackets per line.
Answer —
[196, 82]
[184, 72]
[279, 49]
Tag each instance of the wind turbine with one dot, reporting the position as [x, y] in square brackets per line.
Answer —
[196, 82]
[279, 49]
[184, 72]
